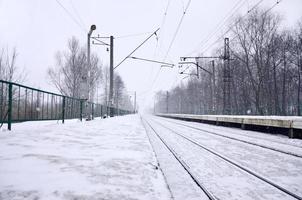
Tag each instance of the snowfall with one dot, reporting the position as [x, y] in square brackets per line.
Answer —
[99, 159]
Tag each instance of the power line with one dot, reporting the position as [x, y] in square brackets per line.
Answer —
[161, 39]
[222, 21]
[255, 6]
[132, 35]
[164, 19]
[77, 13]
[172, 41]
[177, 29]
[154, 33]
[220, 25]
[277, 2]
[236, 22]
[71, 16]
[154, 61]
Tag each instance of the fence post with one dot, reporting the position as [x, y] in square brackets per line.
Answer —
[10, 106]
[81, 110]
[92, 111]
[63, 110]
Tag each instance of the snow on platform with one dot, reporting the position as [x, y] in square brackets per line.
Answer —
[286, 122]
[277, 121]
[100, 159]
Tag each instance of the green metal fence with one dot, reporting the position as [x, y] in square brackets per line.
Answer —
[21, 103]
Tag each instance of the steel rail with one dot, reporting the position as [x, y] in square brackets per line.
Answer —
[249, 136]
[183, 164]
[240, 140]
[233, 163]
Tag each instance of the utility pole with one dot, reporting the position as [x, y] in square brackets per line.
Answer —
[111, 76]
[167, 102]
[214, 87]
[88, 63]
[92, 28]
[117, 98]
[226, 76]
[226, 79]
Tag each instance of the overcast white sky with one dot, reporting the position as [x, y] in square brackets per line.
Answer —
[40, 28]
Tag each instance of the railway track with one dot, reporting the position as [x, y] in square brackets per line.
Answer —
[183, 164]
[242, 134]
[237, 139]
[213, 152]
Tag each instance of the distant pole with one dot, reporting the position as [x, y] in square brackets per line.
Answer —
[117, 98]
[111, 76]
[226, 79]
[197, 67]
[214, 85]
[10, 106]
[88, 65]
[167, 102]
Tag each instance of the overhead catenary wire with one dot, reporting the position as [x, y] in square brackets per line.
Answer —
[255, 6]
[132, 35]
[71, 16]
[268, 10]
[219, 25]
[154, 61]
[154, 33]
[158, 46]
[237, 21]
[77, 13]
[164, 20]
[161, 39]
[219, 39]
[101, 42]
[177, 29]
[172, 41]
[227, 17]
[175, 34]
[205, 44]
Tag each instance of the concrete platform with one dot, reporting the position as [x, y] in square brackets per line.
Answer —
[291, 124]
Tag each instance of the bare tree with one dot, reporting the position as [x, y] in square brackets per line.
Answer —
[105, 83]
[71, 71]
[9, 71]
[296, 60]
[266, 69]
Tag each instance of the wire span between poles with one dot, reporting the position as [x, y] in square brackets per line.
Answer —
[154, 33]
[154, 61]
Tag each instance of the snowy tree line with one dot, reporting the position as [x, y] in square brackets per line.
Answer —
[265, 65]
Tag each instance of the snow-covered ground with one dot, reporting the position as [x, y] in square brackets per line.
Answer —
[122, 158]
[100, 159]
